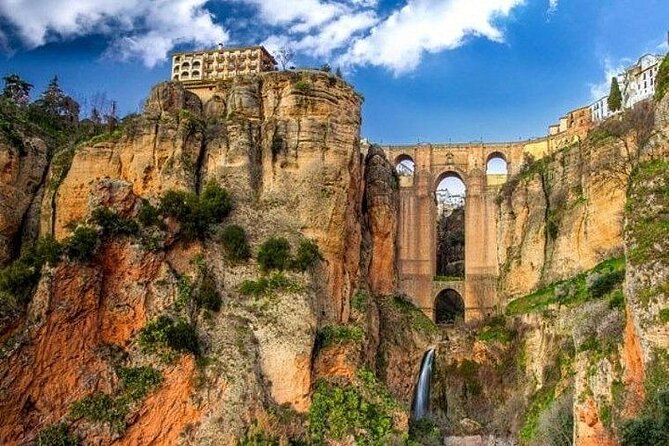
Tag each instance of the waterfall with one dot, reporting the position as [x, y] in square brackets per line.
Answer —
[421, 398]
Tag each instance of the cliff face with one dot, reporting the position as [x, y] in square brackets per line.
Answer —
[23, 165]
[562, 215]
[286, 147]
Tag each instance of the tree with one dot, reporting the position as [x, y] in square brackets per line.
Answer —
[326, 67]
[52, 99]
[285, 56]
[17, 90]
[615, 97]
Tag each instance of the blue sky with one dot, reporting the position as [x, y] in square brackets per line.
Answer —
[430, 70]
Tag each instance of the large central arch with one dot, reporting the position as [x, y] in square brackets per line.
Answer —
[449, 307]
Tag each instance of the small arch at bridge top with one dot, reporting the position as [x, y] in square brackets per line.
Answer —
[449, 307]
[497, 164]
[405, 165]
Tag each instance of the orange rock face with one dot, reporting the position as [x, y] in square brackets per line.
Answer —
[591, 430]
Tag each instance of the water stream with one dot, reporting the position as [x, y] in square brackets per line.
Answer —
[421, 398]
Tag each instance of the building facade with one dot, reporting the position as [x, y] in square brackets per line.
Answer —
[637, 83]
[220, 64]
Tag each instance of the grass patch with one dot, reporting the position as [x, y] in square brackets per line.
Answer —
[338, 334]
[417, 318]
[605, 279]
[276, 282]
[495, 330]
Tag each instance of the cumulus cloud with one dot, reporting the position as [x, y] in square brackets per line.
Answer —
[421, 26]
[146, 29]
[346, 32]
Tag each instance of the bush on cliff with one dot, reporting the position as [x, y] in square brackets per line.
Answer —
[166, 333]
[274, 254]
[195, 213]
[662, 80]
[112, 223]
[235, 243]
[57, 435]
[81, 245]
[308, 255]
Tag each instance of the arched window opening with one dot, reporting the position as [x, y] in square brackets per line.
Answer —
[450, 258]
[497, 164]
[196, 64]
[184, 74]
[185, 65]
[175, 77]
[448, 307]
[176, 68]
[405, 166]
[195, 73]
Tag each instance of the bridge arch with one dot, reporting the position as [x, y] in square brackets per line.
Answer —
[449, 307]
[497, 164]
[405, 165]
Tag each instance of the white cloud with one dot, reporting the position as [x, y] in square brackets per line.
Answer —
[552, 7]
[611, 70]
[147, 29]
[421, 26]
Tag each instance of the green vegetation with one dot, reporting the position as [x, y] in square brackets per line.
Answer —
[652, 426]
[235, 243]
[425, 432]
[138, 382]
[276, 282]
[112, 223]
[359, 300]
[608, 277]
[664, 315]
[615, 98]
[196, 213]
[647, 226]
[307, 256]
[206, 295]
[82, 244]
[662, 80]
[149, 215]
[274, 254]
[338, 411]
[338, 334]
[540, 402]
[302, 86]
[57, 434]
[100, 408]
[495, 330]
[556, 424]
[166, 336]
[418, 319]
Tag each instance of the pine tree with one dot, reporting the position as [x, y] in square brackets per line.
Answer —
[16, 89]
[52, 99]
[615, 97]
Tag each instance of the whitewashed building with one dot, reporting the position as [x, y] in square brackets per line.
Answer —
[637, 83]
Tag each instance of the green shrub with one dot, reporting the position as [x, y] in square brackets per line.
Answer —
[337, 412]
[359, 300]
[307, 256]
[606, 282]
[81, 245]
[112, 223]
[303, 86]
[207, 295]
[495, 330]
[425, 432]
[164, 332]
[100, 408]
[338, 334]
[642, 431]
[235, 243]
[18, 279]
[265, 285]
[664, 315]
[196, 213]
[57, 435]
[274, 254]
[47, 250]
[138, 382]
[215, 203]
[148, 215]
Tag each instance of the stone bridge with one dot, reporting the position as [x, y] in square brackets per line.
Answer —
[417, 238]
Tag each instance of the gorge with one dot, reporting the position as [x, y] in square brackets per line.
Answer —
[245, 271]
